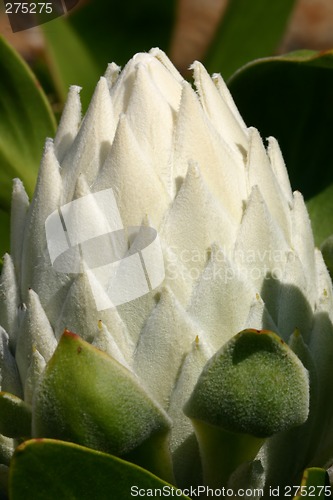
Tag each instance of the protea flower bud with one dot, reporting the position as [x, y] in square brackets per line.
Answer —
[160, 228]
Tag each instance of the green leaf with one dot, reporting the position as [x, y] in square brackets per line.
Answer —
[4, 474]
[26, 120]
[221, 451]
[248, 30]
[15, 416]
[69, 60]
[320, 208]
[87, 397]
[254, 384]
[290, 97]
[253, 387]
[47, 469]
[115, 31]
[314, 485]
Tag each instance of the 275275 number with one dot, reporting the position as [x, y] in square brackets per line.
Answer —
[28, 8]
[307, 491]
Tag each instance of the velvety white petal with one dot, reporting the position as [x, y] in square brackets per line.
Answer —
[82, 188]
[195, 140]
[151, 117]
[69, 123]
[303, 243]
[112, 73]
[34, 372]
[221, 300]
[195, 221]
[162, 58]
[177, 276]
[260, 173]
[137, 188]
[79, 313]
[134, 314]
[19, 209]
[9, 375]
[189, 373]
[294, 308]
[218, 110]
[116, 328]
[163, 80]
[93, 141]
[259, 317]
[165, 340]
[227, 97]
[105, 341]
[279, 168]
[260, 249]
[52, 290]
[21, 313]
[9, 299]
[35, 332]
[46, 199]
[37, 271]
[93, 215]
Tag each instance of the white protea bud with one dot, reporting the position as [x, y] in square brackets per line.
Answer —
[237, 246]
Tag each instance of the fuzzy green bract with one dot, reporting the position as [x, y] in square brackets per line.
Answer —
[253, 384]
[85, 396]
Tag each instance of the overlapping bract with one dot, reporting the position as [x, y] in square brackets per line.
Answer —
[237, 244]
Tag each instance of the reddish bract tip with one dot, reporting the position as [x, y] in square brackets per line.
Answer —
[68, 333]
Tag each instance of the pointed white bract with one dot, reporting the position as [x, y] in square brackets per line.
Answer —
[237, 243]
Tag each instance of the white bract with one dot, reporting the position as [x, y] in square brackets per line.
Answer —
[237, 245]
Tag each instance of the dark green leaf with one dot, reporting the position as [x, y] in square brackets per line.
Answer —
[15, 416]
[115, 31]
[248, 30]
[87, 397]
[327, 251]
[314, 485]
[320, 208]
[253, 387]
[4, 474]
[69, 60]
[25, 121]
[291, 98]
[46, 469]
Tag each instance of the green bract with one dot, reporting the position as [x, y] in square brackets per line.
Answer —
[85, 396]
[161, 227]
[253, 384]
